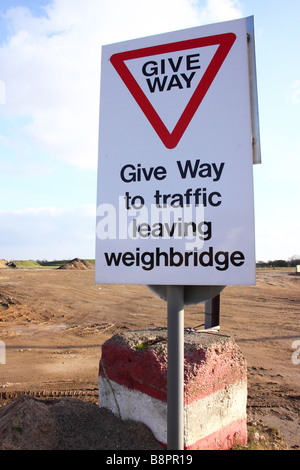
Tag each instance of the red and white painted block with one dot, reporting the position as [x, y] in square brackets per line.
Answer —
[133, 385]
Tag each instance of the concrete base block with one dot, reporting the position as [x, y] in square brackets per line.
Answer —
[133, 385]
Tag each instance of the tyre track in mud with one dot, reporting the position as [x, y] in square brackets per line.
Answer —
[90, 395]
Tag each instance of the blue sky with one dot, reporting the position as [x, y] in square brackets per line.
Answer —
[49, 104]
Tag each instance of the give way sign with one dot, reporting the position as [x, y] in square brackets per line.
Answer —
[169, 67]
[175, 190]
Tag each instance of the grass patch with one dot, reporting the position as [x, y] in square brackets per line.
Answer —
[17, 429]
[44, 264]
[147, 344]
[26, 264]
[143, 346]
[263, 437]
[55, 264]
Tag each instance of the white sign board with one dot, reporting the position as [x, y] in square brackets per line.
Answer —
[175, 189]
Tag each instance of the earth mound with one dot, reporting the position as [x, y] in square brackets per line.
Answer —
[28, 423]
[7, 264]
[76, 263]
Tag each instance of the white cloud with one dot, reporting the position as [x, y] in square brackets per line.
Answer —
[2, 92]
[51, 64]
[296, 92]
[48, 233]
[220, 10]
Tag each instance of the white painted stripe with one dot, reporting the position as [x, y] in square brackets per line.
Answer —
[214, 412]
[134, 405]
[202, 418]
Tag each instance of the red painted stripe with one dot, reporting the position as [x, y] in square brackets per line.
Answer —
[232, 435]
[235, 434]
[136, 370]
[146, 371]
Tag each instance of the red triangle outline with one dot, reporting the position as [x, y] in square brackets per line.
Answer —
[171, 139]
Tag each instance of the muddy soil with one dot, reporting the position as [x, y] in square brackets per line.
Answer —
[53, 323]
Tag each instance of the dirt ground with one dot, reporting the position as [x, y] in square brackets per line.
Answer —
[53, 323]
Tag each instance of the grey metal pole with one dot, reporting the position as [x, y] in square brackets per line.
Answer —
[175, 388]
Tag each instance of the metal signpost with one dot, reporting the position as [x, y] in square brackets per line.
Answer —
[175, 399]
[177, 140]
